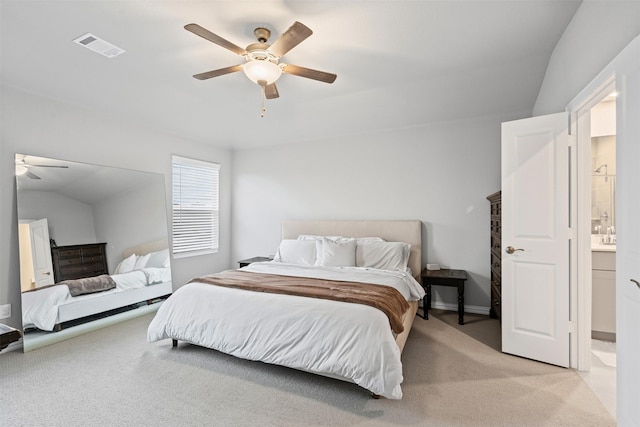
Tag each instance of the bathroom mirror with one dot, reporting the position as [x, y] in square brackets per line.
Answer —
[100, 230]
[603, 185]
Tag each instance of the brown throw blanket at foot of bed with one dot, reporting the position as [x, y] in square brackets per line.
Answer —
[89, 285]
[385, 298]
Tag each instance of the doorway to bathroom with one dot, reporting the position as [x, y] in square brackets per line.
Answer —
[623, 76]
[603, 220]
[602, 375]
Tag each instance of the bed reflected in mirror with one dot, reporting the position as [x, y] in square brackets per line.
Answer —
[93, 245]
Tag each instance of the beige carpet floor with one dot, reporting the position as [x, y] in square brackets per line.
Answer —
[454, 376]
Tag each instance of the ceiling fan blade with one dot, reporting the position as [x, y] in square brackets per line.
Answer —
[290, 39]
[49, 166]
[271, 91]
[32, 175]
[214, 38]
[309, 73]
[219, 72]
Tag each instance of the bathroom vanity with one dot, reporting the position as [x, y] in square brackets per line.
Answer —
[603, 313]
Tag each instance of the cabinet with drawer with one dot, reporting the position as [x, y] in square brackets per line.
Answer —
[495, 201]
[603, 300]
[78, 261]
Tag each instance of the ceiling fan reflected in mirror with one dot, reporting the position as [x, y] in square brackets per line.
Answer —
[262, 60]
[22, 167]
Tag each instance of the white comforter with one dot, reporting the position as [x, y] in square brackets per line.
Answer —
[344, 340]
[40, 308]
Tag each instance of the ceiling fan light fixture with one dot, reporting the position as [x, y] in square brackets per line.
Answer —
[262, 72]
[262, 60]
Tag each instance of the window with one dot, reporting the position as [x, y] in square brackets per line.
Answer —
[195, 206]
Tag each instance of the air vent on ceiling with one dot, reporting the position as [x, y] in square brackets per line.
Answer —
[98, 45]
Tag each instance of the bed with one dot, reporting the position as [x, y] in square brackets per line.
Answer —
[342, 339]
[143, 276]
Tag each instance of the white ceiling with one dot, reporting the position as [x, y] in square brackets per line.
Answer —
[399, 63]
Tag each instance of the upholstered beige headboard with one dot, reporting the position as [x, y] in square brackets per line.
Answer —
[146, 248]
[408, 231]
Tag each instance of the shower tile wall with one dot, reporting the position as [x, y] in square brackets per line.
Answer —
[603, 151]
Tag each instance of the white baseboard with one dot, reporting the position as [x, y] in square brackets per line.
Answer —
[474, 309]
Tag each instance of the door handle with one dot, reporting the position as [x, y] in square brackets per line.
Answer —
[636, 282]
[511, 249]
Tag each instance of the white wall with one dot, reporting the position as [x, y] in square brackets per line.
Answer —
[439, 174]
[70, 221]
[130, 219]
[597, 33]
[38, 126]
[603, 119]
[122, 221]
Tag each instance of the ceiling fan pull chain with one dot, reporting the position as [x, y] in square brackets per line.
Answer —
[263, 99]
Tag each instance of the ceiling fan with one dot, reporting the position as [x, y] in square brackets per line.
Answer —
[262, 64]
[22, 168]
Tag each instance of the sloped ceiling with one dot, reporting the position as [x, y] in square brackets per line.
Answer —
[399, 63]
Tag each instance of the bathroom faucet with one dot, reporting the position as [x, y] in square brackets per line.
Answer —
[610, 239]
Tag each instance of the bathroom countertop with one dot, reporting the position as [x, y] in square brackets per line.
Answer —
[603, 248]
[596, 244]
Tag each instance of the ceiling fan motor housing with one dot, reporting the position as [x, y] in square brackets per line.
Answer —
[259, 51]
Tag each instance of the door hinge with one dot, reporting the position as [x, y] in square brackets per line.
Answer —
[573, 327]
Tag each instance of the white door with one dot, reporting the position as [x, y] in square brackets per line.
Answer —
[535, 223]
[41, 252]
[628, 233]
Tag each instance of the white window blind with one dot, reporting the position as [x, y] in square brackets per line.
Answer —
[195, 206]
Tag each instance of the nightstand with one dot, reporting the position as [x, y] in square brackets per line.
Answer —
[444, 277]
[8, 335]
[245, 262]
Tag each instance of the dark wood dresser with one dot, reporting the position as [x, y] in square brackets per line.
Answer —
[78, 261]
[496, 254]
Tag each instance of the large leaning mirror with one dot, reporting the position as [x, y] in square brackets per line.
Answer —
[93, 246]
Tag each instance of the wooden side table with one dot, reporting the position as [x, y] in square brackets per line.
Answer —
[444, 277]
[245, 262]
[8, 335]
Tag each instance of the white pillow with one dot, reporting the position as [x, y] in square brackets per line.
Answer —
[383, 255]
[127, 264]
[141, 262]
[368, 239]
[338, 253]
[301, 252]
[158, 259]
[318, 240]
